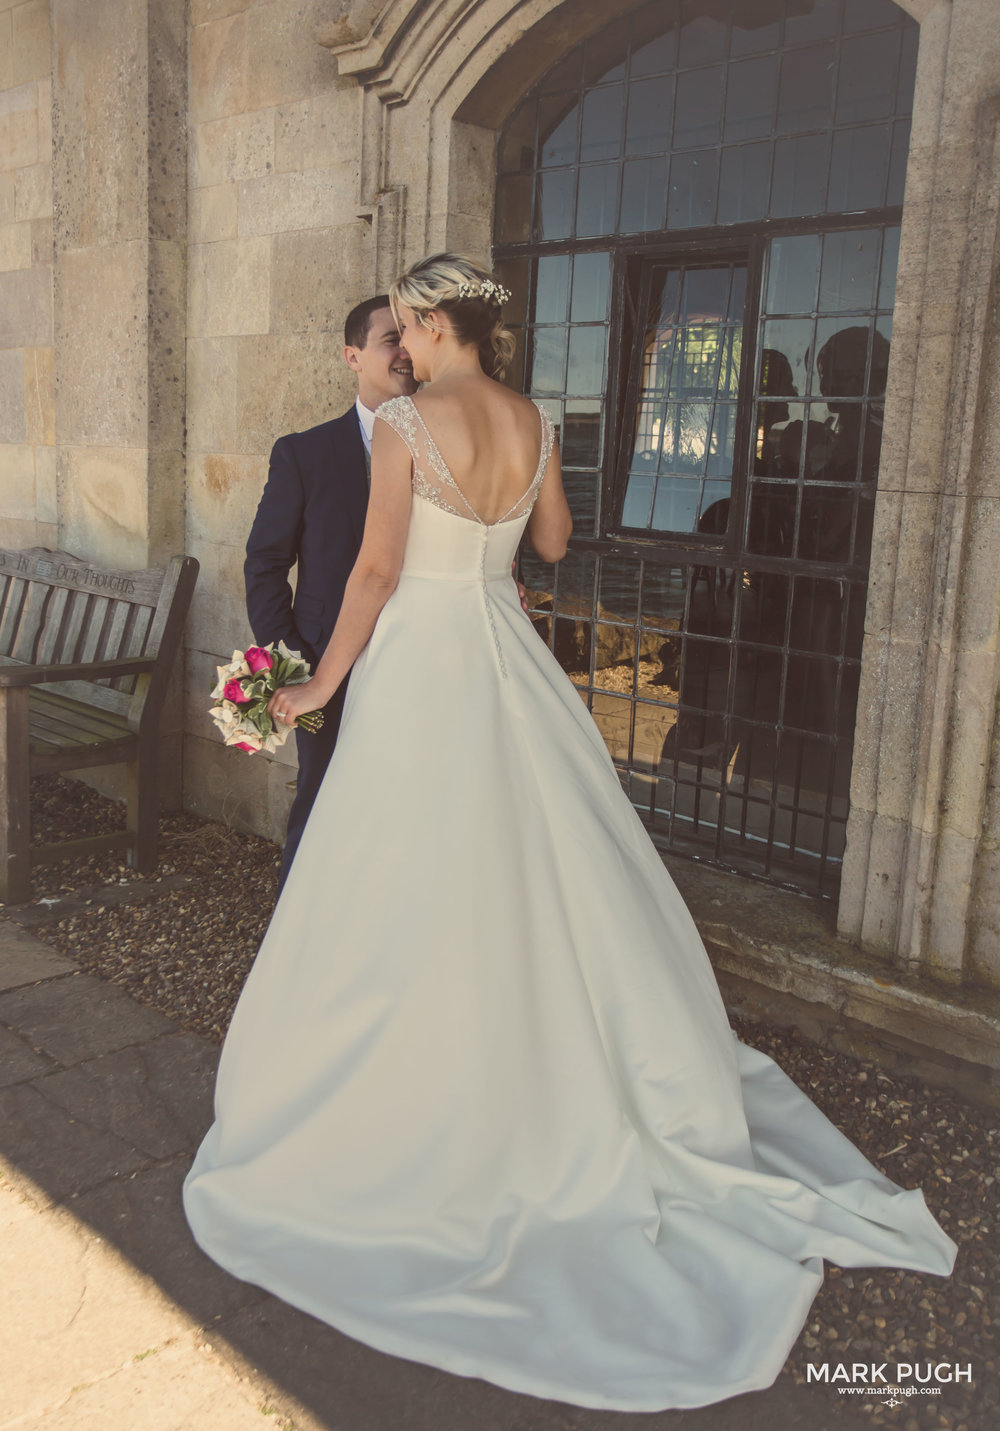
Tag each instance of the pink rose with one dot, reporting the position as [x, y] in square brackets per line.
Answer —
[233, 691]
[250, 749]
[258, 659]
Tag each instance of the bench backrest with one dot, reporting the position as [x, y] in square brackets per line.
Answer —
[56, 608]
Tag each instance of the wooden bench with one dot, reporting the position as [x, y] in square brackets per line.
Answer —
[86, 659]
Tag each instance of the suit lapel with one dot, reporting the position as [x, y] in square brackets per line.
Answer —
[350, 459]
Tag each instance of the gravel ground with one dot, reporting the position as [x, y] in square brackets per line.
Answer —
[182, 941]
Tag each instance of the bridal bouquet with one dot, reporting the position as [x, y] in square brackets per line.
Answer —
[243, 690]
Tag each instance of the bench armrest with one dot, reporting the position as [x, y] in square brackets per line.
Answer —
[75, 671]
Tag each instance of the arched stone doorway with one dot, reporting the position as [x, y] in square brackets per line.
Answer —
[439, 86]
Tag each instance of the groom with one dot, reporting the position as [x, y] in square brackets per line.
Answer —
[312, 516]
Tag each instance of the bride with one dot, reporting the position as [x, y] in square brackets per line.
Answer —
[480, 1104]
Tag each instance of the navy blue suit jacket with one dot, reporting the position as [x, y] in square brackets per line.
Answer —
[313, 513]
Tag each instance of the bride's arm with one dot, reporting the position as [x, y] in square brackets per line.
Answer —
[550, 525]
[373, 577]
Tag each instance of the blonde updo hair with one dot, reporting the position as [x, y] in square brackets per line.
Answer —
[470, 296]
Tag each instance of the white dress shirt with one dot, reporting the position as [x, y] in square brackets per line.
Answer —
[366, 418]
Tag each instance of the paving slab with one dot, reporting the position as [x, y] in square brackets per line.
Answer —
[18, 1060]
[79, 1017]
[156, 1096]
[26, 960]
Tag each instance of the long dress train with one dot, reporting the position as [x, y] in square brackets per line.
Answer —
[480, 1104]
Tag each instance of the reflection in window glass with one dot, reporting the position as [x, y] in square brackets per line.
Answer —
[805, 96]
[866, 62]
[586, 360]
[650, 116]
[554, 211]
[685, 427]
[552, 289]
[591, 280]
[698, 112]
[548, 369]
[644, 195]
[744, 182]
[858, 167]
[798, 185]
[850, 267]
[601, 132]
[792, 270]
[597, 199]
[693, 184]
[581, 445]
[750, 98]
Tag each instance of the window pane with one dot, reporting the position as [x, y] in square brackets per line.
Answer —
[793, 266]
[858, 168]
[513, 273]
[654, 40]
[750, 98]
[517, 149]
[822, 19]
[850, 266]
[744, 183]
[597, 199]
[638, 500]
[867, 76]
[514, 208]
[699, 107]
[601, 133]
[841, 357]
[798, 185]
[675, 506]
[591, 281]
[650, 116]
[703, 39]
[897, 161]
[694, 181]
[890, 260]
[552, 290]
[586, 360]
[581, 494]
[805, 99]
[751, 35]
[792, 340]
[557, 130]
[581, 445]
[548, 367]
[644, 195]
[554, 214]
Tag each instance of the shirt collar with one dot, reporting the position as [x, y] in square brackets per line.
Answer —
[366, 418]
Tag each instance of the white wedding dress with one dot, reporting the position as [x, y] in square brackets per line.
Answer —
[480, 1104]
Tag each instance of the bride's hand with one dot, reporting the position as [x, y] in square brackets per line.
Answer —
[290, 702]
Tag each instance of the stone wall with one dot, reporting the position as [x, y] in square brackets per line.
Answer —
[278, 254]
[28, 503]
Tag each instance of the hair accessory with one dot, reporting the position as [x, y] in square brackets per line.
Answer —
[485, 288]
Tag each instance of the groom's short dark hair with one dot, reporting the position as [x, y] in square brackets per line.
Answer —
[359, 320]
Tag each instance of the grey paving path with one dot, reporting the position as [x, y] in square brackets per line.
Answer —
[114, 1321]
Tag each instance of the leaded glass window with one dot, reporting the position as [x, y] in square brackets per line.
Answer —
[698, 211]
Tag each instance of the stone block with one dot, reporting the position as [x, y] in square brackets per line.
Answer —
[904, 674]
[26, 308]
[248, 792]
[921, 516]
[42, 247]
[32, 41]
[105, 504]
[26, 960]
[40, 395]
[85, 1314]
[229, 288]
[468, 234]
[33, 192]
[979, 598]
[211, 394]
[284, 62]
[17, 481]
[316, 130]
[46, 485]
[6, 49]
[205, 10]
[313, 272]
[286, 383]
[7, 194]
[223, 492]
[15, 247]
[44, 120]
[12, 423]
[212, 213]
[887, 852]
[218, 76]
[954, 869]
[19, 127]
[167, 300]
[79, 1018]
[318, 198]
[984, 917]
[237, 147]
[102, 370]
[101, 154]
